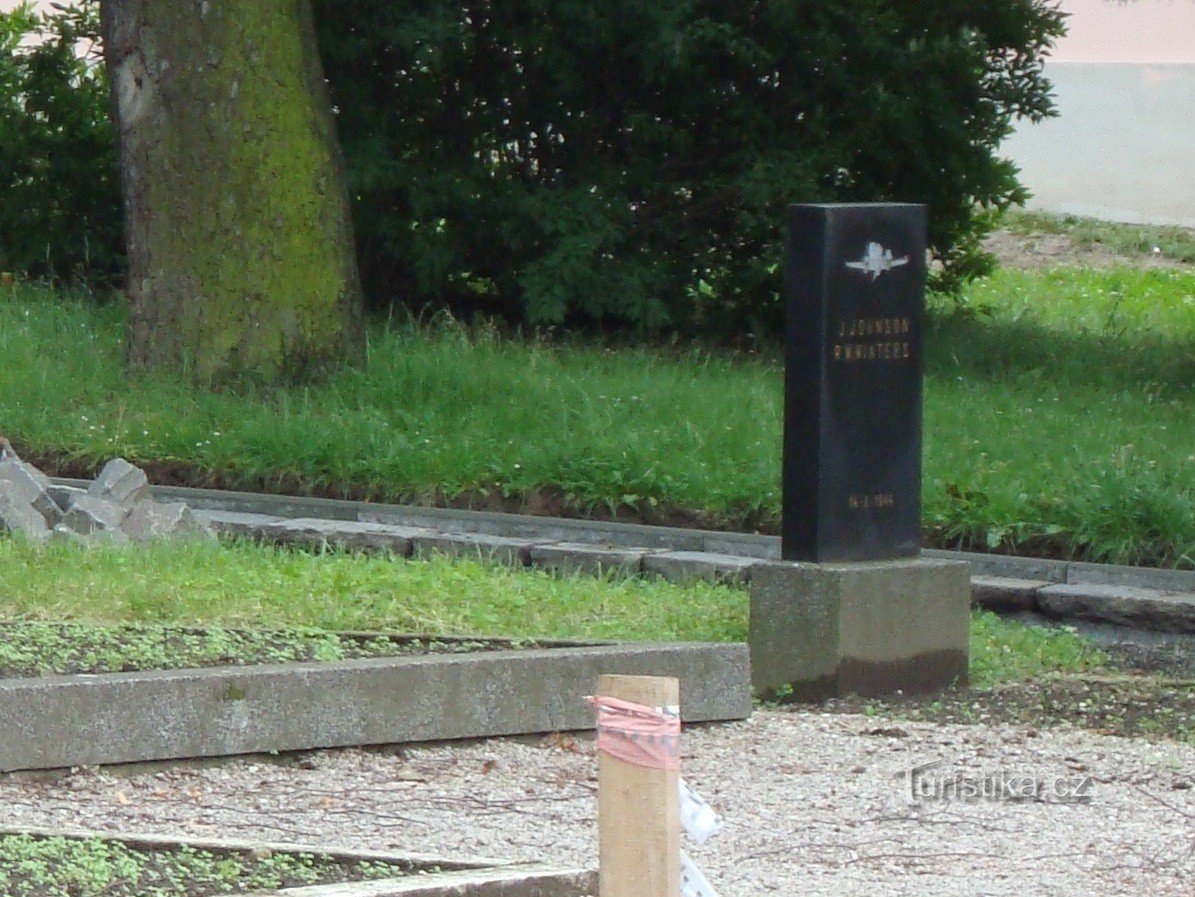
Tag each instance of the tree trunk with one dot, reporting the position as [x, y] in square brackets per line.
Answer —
[240, 244]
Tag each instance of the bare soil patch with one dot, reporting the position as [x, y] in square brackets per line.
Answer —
[1034, 251]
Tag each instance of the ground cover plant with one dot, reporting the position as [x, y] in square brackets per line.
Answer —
[30, 648]
[33, 866]
[1058, 418]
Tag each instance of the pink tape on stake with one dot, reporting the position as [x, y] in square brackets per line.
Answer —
[643, 736]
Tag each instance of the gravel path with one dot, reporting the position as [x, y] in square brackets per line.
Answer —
[813, 803]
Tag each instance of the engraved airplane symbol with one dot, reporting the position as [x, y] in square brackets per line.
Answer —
[876, 261]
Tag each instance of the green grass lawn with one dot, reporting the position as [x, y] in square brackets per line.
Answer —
[1058, 420]
[250, 585]
[245, 585]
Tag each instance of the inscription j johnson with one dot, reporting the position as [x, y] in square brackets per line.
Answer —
[873, 339]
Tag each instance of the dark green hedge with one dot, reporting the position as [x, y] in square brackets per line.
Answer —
[59, 205]
[626, 163]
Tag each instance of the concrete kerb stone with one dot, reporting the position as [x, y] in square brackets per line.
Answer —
[1119, 605]
[18, 516]
[90, 514]
[686, 566]
[345, 534]
[1042, 569]
[1137, 577]
[577, 557]
[122, 484]
[1003, 595]
[32, 486]
[501, 550]
[63, 721]
[238, 524]
[460, 876]
[525, 881]
[149, 521]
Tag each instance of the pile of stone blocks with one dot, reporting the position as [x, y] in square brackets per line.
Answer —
[117, 507]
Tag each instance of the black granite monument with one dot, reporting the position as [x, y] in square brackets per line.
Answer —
[853, 384]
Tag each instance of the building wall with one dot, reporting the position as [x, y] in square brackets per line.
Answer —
[1123, 147]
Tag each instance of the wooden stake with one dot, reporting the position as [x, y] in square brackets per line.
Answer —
[638, 808]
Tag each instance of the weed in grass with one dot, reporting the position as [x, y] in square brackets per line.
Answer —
[30, 648]
[1004, 651]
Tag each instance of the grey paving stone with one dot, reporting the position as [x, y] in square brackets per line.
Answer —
[575, 557]
[149, 520]
[90, 514]
[32, 486]
[1003, 594]
[20, 517]
[686, 566]
[122, 484]
[1120, 605]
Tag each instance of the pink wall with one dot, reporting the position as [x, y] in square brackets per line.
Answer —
[1140, 31]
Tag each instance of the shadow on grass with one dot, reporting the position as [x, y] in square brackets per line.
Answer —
[997, 350]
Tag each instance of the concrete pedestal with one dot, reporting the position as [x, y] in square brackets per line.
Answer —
[868, 629]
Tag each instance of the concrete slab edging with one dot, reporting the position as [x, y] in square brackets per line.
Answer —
[63, 721]
[456, 877]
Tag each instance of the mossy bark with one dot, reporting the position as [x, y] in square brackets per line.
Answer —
[240, 244]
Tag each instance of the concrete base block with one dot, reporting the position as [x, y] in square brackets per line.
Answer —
[869, 629]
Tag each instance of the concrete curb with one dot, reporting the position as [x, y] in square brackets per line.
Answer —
[63, 721]
[459, 877]
[1135, 608]
[633, 535]
[1165, 598]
